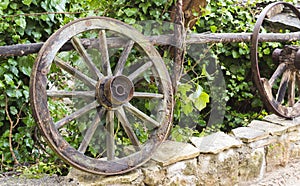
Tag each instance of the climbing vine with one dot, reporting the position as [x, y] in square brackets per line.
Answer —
[31, 21]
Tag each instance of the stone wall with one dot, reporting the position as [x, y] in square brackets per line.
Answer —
[245, 154]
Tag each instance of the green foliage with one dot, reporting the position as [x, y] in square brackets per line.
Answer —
[191, 99]
[39, 170]
[128, 11]
[15, 28]
[32, 21]
[182, 134]
[243, 102]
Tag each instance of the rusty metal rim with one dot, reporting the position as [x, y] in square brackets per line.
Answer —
[271, 104]
[41, 113]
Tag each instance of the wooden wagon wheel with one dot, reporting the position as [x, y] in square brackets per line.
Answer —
[279, 90]
[105, 108]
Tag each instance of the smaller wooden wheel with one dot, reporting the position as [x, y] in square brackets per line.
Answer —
[280, 90]
[101, 95]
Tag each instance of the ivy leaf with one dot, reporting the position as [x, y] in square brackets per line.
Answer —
[183, 88]
[21, 22]
[4, 4]
[159, 2]
[201, 101]
[242, 51]
[28, 142]
[187, 107]
[13, 110]
[14, 93]
[267, 51]
[59, 6]
[235, 54]
[13, 6]
[120, 12]
[27, 2]
[93, 151]
[155, 13]
[197, 93]
[129, 21]
[9, 79]
[12, 62]
[1, 84]
[26, 70]
[36, 35]
[5, 134]
[213, 28]
[130, 11]
[14, 70]
[18, 93]
[145, 6]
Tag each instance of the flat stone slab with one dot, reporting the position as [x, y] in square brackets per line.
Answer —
[290, 123]
[271, 128]
[215, 143]
[171, 152]
[247, 134]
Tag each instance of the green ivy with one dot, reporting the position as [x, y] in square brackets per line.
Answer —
[233, 58]
[243, 101]
[32, 21]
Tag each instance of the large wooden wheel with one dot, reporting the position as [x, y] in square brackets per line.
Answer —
[101, 95]
[280, 90]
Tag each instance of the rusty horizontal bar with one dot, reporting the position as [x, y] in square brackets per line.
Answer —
[25, 49]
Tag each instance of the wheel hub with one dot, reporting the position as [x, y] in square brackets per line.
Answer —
[114, 91]
[289, 55]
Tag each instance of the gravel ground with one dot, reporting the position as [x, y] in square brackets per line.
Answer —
[45, 181]
[284, 176]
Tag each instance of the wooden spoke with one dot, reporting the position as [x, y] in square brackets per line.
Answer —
[147, 95]
[128, 129]
[297, 88]
[281, 104]
[267, 87]
[76, 73]
[141, 115]
[62, 93]
[76, 114]
[83, 53]
[291, 89]
[280, 69]
[104, 53]
[283, 86]
[91, 130]
[104, 99]
[121, 63]
[298, 83]
[110, 145]
[140, 70]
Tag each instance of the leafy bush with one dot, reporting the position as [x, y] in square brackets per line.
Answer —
[18, 24]
[243, 102]
[30, 21]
